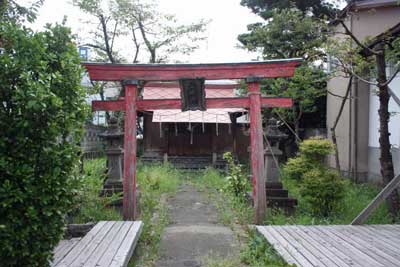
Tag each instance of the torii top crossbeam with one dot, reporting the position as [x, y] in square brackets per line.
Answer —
[174, 72]
[251, 71]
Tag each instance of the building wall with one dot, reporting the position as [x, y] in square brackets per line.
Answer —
[353, 130]
[394, 129]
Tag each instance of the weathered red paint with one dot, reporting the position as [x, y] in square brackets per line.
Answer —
[143, 105]
[257, 152]
[168, 72]
[129, 182]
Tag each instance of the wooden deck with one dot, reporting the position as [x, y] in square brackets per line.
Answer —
[107, 244]
[336, 245]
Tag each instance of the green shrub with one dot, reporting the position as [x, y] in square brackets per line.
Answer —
[316, 148]
[236, 181]
[90, 206]
[41, 118]
[323, 190]
[312, 154]
[296, 167]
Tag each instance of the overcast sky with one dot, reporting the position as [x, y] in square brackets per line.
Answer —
[228, 19]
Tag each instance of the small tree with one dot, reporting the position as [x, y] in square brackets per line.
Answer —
[363, 59]
[289, 33]
[41, 116]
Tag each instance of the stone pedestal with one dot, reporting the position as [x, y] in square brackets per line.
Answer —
[114, 152]
[277, 196]
[271, 157]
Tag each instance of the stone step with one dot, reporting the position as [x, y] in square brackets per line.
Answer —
[271, 192]
[186, 162]
[281, 202]
[273, 185]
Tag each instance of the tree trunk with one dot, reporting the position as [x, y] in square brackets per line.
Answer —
[387, 170]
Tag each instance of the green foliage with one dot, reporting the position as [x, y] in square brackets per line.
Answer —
[317, 8]
[289, 33]
[323, 190]
[306, 87]
[11, 11]
[320, 188]
[312, 153]
[258, 253]
[89, 206]
[296, 167]
[236, 181]
[315, 149]
[41, 117]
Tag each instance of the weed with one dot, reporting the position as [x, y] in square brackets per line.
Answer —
[90, 206]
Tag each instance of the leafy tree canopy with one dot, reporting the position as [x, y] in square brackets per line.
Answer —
[316, 8]
[287, 34]
[10, 10]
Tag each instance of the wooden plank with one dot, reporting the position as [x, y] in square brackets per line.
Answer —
[125, 251]
[374, 240]
[211, 103]
[257, 153]
[392, 230]
[320, 239]
[301, 247]
[366, 247]
[129, 182]
[62, 249]
[354, 257]
[278, 246]
[304, 262]
[79, 247]
[97, 241]
[355, 253]
[389, 188]
[107, 257]
[324, 254]
[103, 246]
[385, 237]
[168, 72]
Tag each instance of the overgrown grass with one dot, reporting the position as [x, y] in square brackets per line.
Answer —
[356, 198]
[156, 183]
[238, 214]
[90, 206]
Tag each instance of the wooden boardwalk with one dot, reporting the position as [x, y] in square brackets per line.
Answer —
[336, 245]
[108, 244]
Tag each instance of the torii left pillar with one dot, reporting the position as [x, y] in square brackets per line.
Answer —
[130, 145]
[257, 150]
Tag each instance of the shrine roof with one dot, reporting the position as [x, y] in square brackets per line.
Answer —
[175, 115]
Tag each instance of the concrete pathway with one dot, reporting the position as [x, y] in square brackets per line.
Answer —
[194, 232]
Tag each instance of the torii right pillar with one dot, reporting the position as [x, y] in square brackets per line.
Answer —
[257, 150]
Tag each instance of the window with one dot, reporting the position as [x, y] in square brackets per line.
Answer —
[83, 53]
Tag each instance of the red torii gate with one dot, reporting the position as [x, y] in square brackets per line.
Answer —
[253, 72]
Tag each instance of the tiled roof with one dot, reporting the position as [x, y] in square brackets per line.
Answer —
[176, 115]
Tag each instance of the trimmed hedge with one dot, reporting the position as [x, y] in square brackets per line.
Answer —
[42, 109]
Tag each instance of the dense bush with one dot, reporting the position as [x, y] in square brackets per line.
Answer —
[89, 205]
[315, 149]
[312, 155]
[323, 190]
[236, 181]
[41, 115]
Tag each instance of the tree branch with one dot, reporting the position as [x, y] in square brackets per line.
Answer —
[391, 78]
[355, 39]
